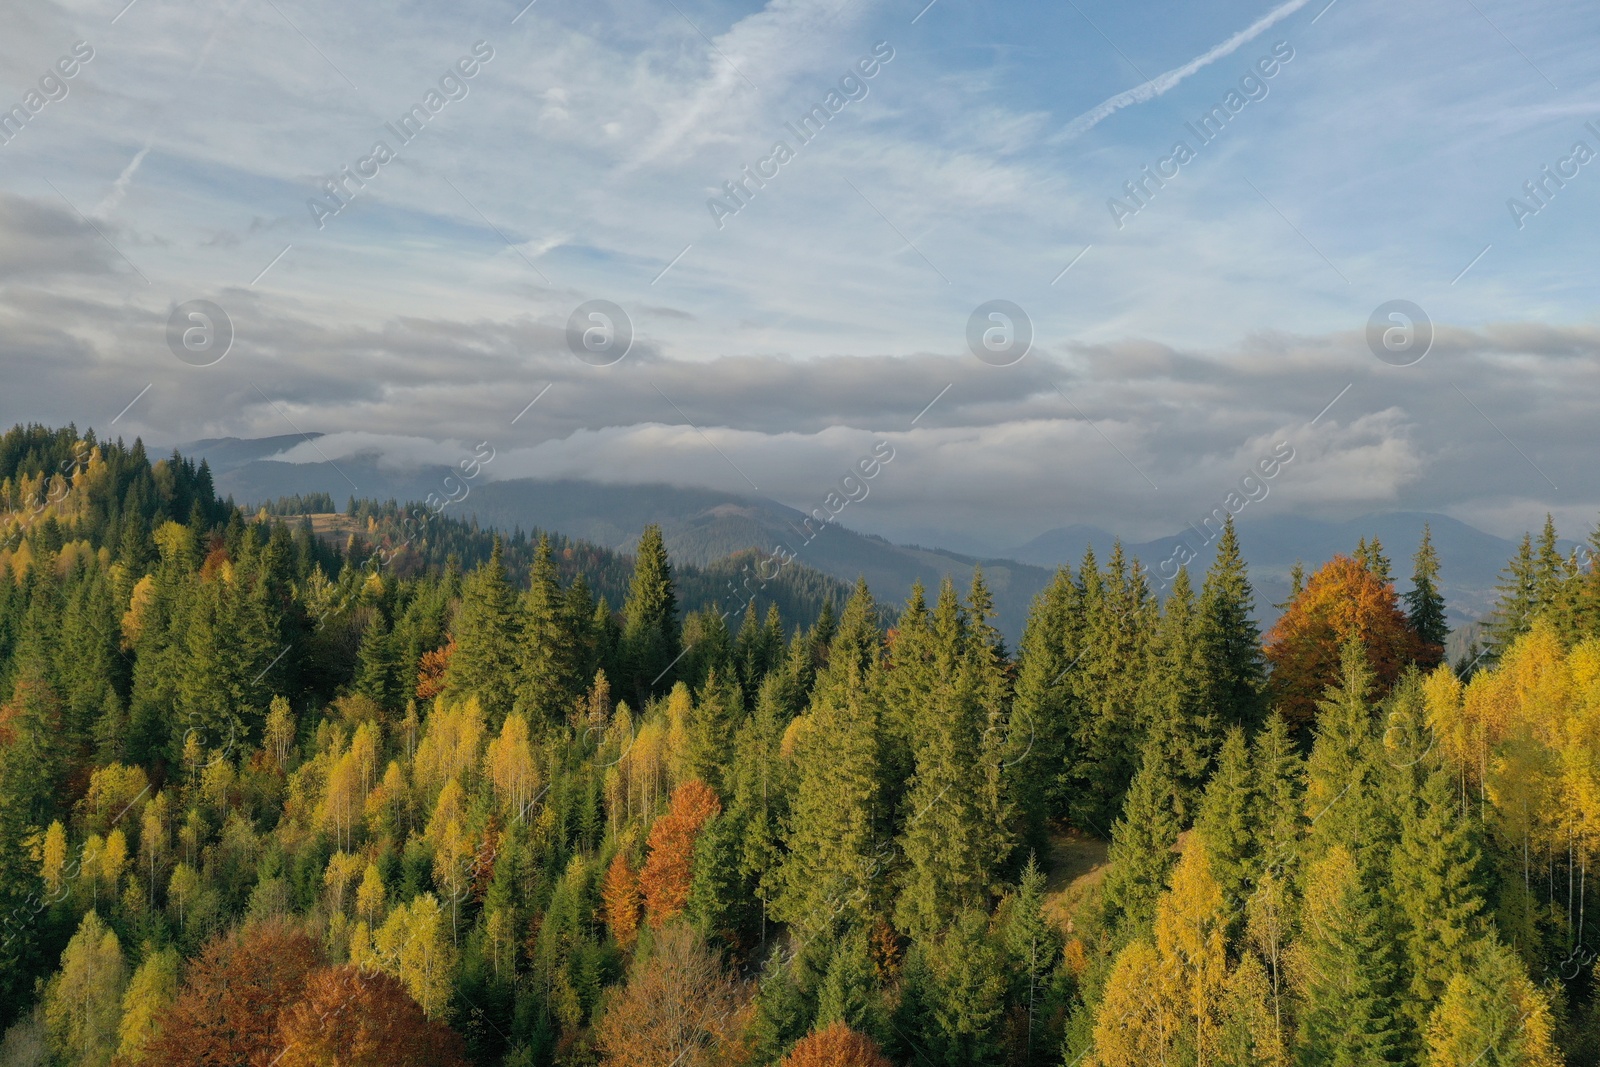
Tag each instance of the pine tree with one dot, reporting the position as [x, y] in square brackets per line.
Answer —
[1229, 638]
[547, 656]
[835, 862]
[650, 637]
[486, 640]
[1185, 731]
[1349, 1016]
[1141, 852]
[1425, 604]
[1226, 825]
[1518, 600]
[1437, 887]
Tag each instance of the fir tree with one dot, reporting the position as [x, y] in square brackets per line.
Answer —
[485, 630]
[1518, 600]
[1043, 705]
[1185, 732]
[1349, 1016]
[1425, 604]
[1437, 887]
[1229, 638]
[650, 636]
[1226, 822]
[1142, 844]
[547, 656]
[377, 673]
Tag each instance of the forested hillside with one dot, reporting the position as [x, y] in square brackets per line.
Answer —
[425, 795]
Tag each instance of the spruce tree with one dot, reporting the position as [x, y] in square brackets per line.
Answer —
[1437, 885]
[1225, 822]
[1349, 1016]
[1184, 730]
[650, 636]
[1517, 601]
[1278, 786]
[1043, 704]
[377, 669]
[547, 659]
[1141, 853]
[946, 836]
[1370, 555]
[1425, 604]
[1229, 637]
[1034, 943]
[836, 855]
[1343, 801]
[485, 628]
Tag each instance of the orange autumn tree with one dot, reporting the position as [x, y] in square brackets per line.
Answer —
[667, 872]
[619, 897]
[1342, 601]
[836, 1046]
[352, 1017]
[227, 1013]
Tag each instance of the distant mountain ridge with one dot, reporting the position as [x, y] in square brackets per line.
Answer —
[702, 526]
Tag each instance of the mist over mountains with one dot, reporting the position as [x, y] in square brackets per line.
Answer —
[702, 526]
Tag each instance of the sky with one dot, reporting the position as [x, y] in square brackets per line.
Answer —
[1335, 158]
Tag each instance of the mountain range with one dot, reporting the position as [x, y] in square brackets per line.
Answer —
[702, 526]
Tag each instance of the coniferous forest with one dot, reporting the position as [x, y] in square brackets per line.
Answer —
[421, 794]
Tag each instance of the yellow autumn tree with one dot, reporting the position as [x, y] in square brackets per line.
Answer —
[511, 768]
[53, 863]
[83, 1001]
[415, 946]
[1492, 1013]
[370, 896]
[1192, 946]
[149, 996]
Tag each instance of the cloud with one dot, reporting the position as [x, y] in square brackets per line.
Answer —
[39, 239]
[1163, 83]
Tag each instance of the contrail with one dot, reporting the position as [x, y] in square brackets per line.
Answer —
[1161, 83]
[119, 188]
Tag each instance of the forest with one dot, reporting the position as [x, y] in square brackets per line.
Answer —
[423, 794]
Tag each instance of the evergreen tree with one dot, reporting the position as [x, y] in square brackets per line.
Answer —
[547, 655]
[1034, 943]
[1342, 798]
[946, 834]
[650, 636]
[1350, 1015]
[1438, 893]
[1226, 822]
[486, 637]
[1185, 731]
[1518, 600]
[378, 671]
[1142, 843]
[1229, 638]
[1043, 705]
[835, 859]
[1370, 555]
[1425, 604]
[1278, 786]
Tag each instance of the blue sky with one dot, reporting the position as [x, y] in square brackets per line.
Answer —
[1216, 321]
